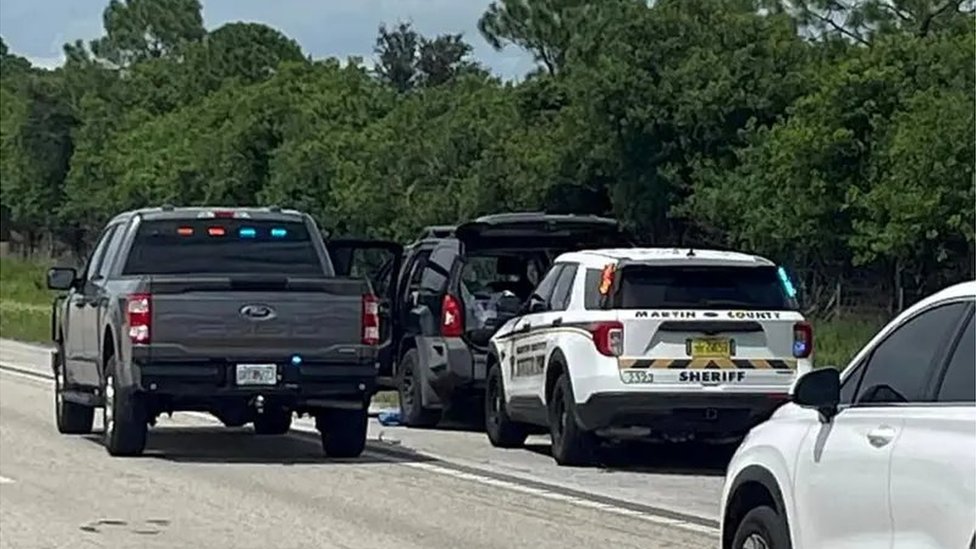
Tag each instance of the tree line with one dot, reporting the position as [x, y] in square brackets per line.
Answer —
[836, 137]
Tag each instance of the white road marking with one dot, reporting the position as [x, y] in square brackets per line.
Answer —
[471, 477]
[6, 480]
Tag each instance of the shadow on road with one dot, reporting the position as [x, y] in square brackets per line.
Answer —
[658, 458]
[241, 445]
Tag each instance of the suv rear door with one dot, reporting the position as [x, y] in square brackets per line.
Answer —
[379, 262]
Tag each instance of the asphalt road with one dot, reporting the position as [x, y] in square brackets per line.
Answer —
[201, 485]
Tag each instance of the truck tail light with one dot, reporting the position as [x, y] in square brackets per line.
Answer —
[138, 308]
[371, 320]
[608, 337]
[452, 317]
[802, 340]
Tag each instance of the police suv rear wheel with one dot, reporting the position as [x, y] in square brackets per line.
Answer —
[502, 431]
[571, 445]
[762, 528]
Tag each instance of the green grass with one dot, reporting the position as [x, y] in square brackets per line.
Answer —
[836, 342]
[24, 301]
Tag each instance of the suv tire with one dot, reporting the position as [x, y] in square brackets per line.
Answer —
[571, 445]
[409, 381]
[762, 527]
[502, 431]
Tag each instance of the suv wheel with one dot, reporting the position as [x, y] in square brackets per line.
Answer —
[502, 431]
[71, 418]
[412, 409]
[762, 528]
[571, 445]
[273, 422]
[343, 432]
[123, 416]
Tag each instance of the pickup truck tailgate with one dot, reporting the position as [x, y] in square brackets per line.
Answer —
[274, 319]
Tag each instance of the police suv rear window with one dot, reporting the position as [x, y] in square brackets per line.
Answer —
[223, 246]
[695, 287]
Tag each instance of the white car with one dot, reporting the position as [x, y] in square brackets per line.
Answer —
[883, 455]
[654, 343]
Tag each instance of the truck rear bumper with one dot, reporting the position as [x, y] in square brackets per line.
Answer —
[304, 384]
[703, 415]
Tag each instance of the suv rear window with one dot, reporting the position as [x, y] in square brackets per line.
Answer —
[699, 287]
[223, 246]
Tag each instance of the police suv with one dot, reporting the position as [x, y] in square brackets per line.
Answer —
[652, 343]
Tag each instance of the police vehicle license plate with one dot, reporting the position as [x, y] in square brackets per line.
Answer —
[711, 348]
[636, 376]
[257, 374]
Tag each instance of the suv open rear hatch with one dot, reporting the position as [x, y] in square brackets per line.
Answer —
[541, 230]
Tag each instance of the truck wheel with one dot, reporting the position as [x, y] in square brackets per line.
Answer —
[571, 445]
[412, 409]
[343, 432]
[276, 422]
[762, 527]
[72, 418]
[502, 431]
[124, 416]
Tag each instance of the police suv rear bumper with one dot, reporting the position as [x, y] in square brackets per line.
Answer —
[703, 415]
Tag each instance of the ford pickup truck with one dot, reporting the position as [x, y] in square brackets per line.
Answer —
[236, 312]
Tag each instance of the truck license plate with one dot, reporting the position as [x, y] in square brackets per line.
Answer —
[257, 374]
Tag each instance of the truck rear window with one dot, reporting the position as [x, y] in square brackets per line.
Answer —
[701, 287]
[223, 246]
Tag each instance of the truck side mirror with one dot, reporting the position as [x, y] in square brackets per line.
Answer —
[61, 278]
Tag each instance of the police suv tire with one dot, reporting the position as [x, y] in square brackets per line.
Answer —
[343, 432]
[71, 418]
[502, 431]
[571, 445]
[124, 416]
[412, 411]
[763, 523]
[276, 422]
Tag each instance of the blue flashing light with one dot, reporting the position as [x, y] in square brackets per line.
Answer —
[296, 360]
[787, 283]
[799, 348]
[278, 232]
[247, 232]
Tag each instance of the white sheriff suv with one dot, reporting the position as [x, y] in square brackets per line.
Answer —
[666, 344]
[880, 456]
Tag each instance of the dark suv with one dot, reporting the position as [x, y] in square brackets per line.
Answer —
[447, 293]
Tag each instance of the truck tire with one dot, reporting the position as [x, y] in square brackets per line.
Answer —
[272, 422]
[571, 445]
[762, 527]
[124, 416]
[409, 381]
[502, 431]
[343, 432]
[71, 418]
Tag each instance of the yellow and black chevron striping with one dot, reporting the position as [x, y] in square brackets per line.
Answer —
[707, 363]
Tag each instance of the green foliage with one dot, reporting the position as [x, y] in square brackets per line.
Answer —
[835, 142]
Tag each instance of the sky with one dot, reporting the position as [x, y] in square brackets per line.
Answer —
[37, 29]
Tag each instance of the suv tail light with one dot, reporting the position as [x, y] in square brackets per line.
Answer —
[452, 318]
[371, 320]
[608, 337]
[138, 309]
[802, 340]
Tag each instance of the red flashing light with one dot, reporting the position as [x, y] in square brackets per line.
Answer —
[185, 231]
[216, 231]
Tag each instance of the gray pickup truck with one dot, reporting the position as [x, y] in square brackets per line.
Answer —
[233, 311]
